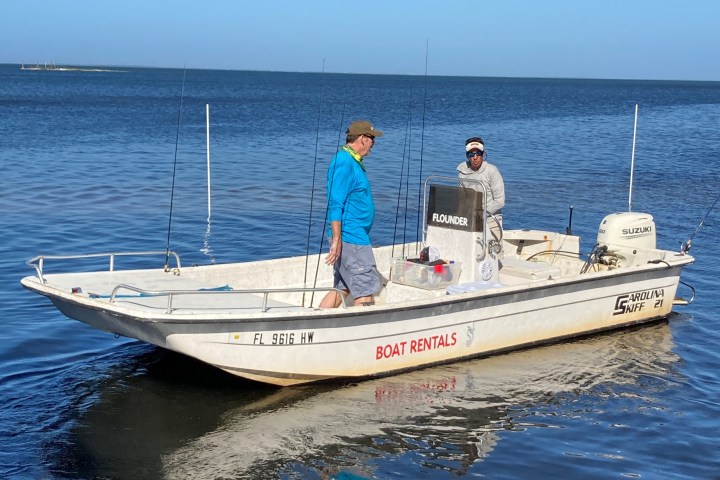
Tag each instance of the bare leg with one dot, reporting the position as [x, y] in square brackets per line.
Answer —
[364, 301]
[332, 300]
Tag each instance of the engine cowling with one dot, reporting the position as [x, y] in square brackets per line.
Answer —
[623, 234]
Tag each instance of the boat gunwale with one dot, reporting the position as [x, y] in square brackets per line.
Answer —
[149, 316]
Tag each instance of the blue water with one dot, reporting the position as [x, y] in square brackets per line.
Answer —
[87, 166]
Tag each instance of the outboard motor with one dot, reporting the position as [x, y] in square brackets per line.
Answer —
[621, 235]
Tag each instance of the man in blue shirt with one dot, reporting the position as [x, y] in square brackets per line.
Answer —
[351, 212]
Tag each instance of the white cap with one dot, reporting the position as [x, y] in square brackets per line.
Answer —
[474, 146]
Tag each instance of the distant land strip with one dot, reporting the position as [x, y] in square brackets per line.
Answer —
[55, 68]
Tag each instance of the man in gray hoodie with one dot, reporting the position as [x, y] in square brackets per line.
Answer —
[477, 169]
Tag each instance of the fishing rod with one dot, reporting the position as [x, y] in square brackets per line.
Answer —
[407, 173]
[685, 247]
[327, 209]
[172, 191]
[422, 144]
[402, 171]
[312, 188]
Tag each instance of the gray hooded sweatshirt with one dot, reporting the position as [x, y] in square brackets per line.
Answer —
[489, 176]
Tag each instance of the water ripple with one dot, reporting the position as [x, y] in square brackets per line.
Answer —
[90, 164]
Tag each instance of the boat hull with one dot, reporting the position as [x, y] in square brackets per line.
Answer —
[320, 345]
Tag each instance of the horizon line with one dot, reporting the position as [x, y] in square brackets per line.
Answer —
[57, 67]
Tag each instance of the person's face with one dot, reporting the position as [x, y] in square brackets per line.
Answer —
[475, 158]
[367, 142]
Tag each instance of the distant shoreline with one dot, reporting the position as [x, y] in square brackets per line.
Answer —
[128, 68]
[55, 68]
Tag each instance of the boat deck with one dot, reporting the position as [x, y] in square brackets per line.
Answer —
[197, 292]
[162, 291]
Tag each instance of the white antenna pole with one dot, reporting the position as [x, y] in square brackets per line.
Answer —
[207, 123]
[632, 159]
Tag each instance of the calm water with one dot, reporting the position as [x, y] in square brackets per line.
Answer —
[87, 166]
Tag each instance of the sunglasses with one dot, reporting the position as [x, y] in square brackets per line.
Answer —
[473, 154]
[372, 139]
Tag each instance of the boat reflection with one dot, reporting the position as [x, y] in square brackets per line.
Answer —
[177, 419]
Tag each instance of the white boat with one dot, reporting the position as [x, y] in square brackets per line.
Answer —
[260, 320]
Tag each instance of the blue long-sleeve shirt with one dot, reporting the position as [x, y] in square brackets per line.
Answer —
[350, 199]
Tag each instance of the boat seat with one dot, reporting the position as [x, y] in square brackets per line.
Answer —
[530, 270]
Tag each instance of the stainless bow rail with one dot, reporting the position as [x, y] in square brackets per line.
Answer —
[265, 292]
[38, 262]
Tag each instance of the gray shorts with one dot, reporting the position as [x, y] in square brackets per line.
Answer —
[356, 271]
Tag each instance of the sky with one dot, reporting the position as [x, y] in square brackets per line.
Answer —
[615, 39]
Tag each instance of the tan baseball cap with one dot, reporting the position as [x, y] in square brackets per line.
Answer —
[363, 127]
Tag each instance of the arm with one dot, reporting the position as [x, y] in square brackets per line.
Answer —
[497, 192]
[338, 189]
[461, 176]
[336, 245]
